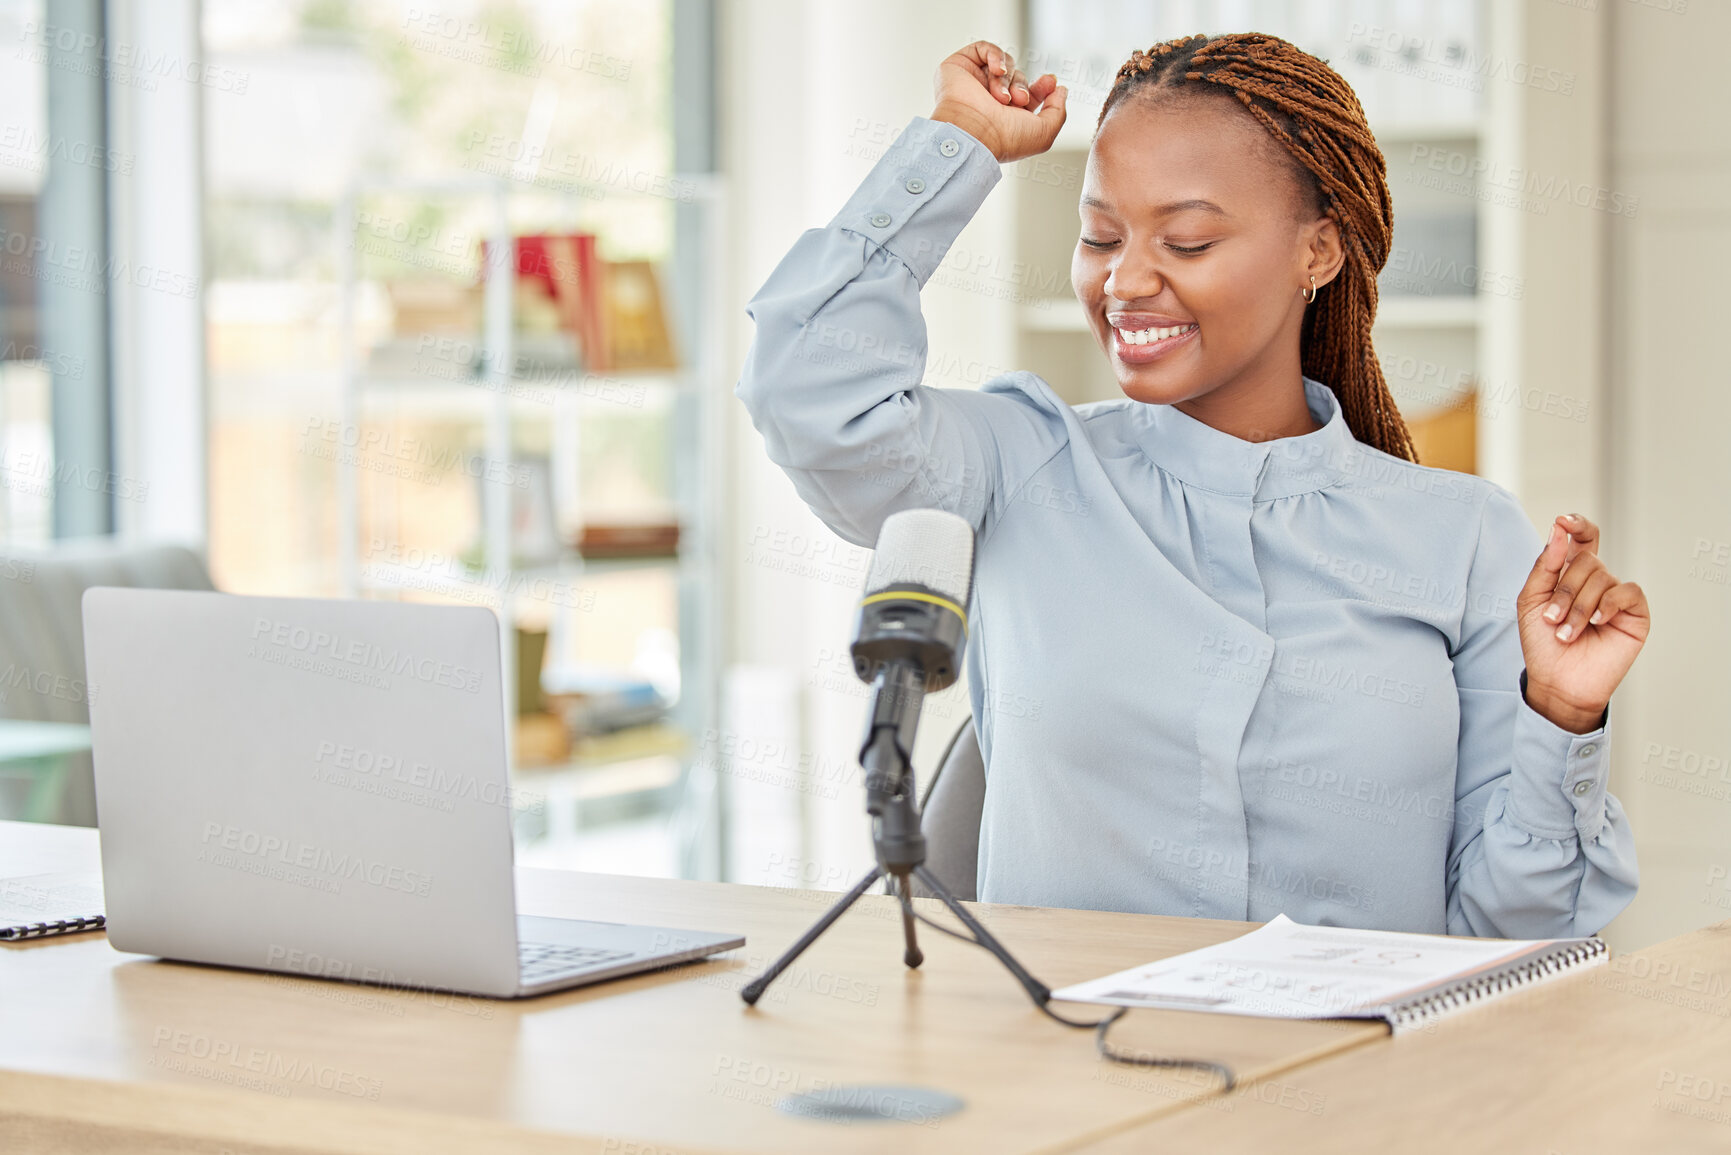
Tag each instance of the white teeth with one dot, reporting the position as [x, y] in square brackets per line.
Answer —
[1148, 336]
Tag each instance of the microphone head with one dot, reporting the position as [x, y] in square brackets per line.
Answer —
[915, 606]
[927, 547]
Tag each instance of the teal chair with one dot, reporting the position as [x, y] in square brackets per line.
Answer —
[42, 663]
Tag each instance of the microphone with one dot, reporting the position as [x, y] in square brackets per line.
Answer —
[913, 622]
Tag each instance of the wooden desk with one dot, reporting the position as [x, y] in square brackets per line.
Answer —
[105, 1051]
[1631, 1056]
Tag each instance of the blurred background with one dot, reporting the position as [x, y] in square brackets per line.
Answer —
[326, 298]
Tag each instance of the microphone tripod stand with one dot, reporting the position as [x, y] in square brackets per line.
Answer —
[896, 837]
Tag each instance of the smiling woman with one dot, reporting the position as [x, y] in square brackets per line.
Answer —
[1275, 664]
[1299, 190]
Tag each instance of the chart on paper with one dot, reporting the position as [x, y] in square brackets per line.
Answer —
[1288, 970]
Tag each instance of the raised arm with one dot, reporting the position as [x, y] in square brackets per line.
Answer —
[833, 377]
[1542, 849]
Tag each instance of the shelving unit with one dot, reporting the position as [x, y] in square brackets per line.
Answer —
[645, 769]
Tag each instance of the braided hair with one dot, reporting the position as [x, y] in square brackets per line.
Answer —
[1315, 116]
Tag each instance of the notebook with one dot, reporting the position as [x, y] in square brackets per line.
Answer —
[1288, 970]
[44, 904]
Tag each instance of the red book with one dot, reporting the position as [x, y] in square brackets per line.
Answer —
[565, 267]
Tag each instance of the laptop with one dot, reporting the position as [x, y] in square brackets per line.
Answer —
[318, 787]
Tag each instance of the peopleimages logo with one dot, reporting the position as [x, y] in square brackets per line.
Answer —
[361, 656]
[255, 1068]
[255, 852]
[410, 780]
[44, 683]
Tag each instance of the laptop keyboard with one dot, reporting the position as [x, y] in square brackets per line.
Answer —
[537, 961]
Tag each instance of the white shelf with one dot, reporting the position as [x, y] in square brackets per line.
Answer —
[386, 576]
[540, 360]
[443, 398]
[1076, 137]
[1064, 315]
[703, 187]
[611, 778]
[635, 750]
[1411, 131]
[1443, 312]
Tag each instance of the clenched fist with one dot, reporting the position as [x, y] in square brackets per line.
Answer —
[982, 92]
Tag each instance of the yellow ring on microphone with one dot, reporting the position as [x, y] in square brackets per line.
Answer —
[917, 596]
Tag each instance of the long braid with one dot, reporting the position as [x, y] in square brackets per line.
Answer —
[1314, 114]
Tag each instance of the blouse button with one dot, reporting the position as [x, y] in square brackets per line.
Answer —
[949, 148]
[1586, 751]
[1582, 787]
[880, 220]
[916, 185]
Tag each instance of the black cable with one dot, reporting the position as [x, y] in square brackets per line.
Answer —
[1088, 1026]
[1098, 1026]
[1227, 1078]
[940, 927]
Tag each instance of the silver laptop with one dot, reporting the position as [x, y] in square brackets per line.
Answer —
[318, 787]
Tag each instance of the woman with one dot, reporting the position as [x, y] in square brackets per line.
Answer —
[1233, 651]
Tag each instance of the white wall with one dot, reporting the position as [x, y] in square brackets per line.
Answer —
[1544, 346]
[811, 93]
[1620, 318]
[1670, 476]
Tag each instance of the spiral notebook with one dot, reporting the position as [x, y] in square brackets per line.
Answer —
[44, 904]
[1289, 970]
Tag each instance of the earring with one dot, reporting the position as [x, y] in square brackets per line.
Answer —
[1310, 297]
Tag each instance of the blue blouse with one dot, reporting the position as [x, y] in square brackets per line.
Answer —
[1210, 677]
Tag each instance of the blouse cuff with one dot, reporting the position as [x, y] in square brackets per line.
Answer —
[921, 193]
[1559, 780]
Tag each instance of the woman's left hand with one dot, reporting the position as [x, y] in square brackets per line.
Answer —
[1580, 627]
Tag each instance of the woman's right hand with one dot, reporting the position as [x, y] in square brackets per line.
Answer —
[982, 92]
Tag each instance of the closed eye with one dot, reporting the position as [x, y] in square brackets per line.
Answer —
[1182, 250]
